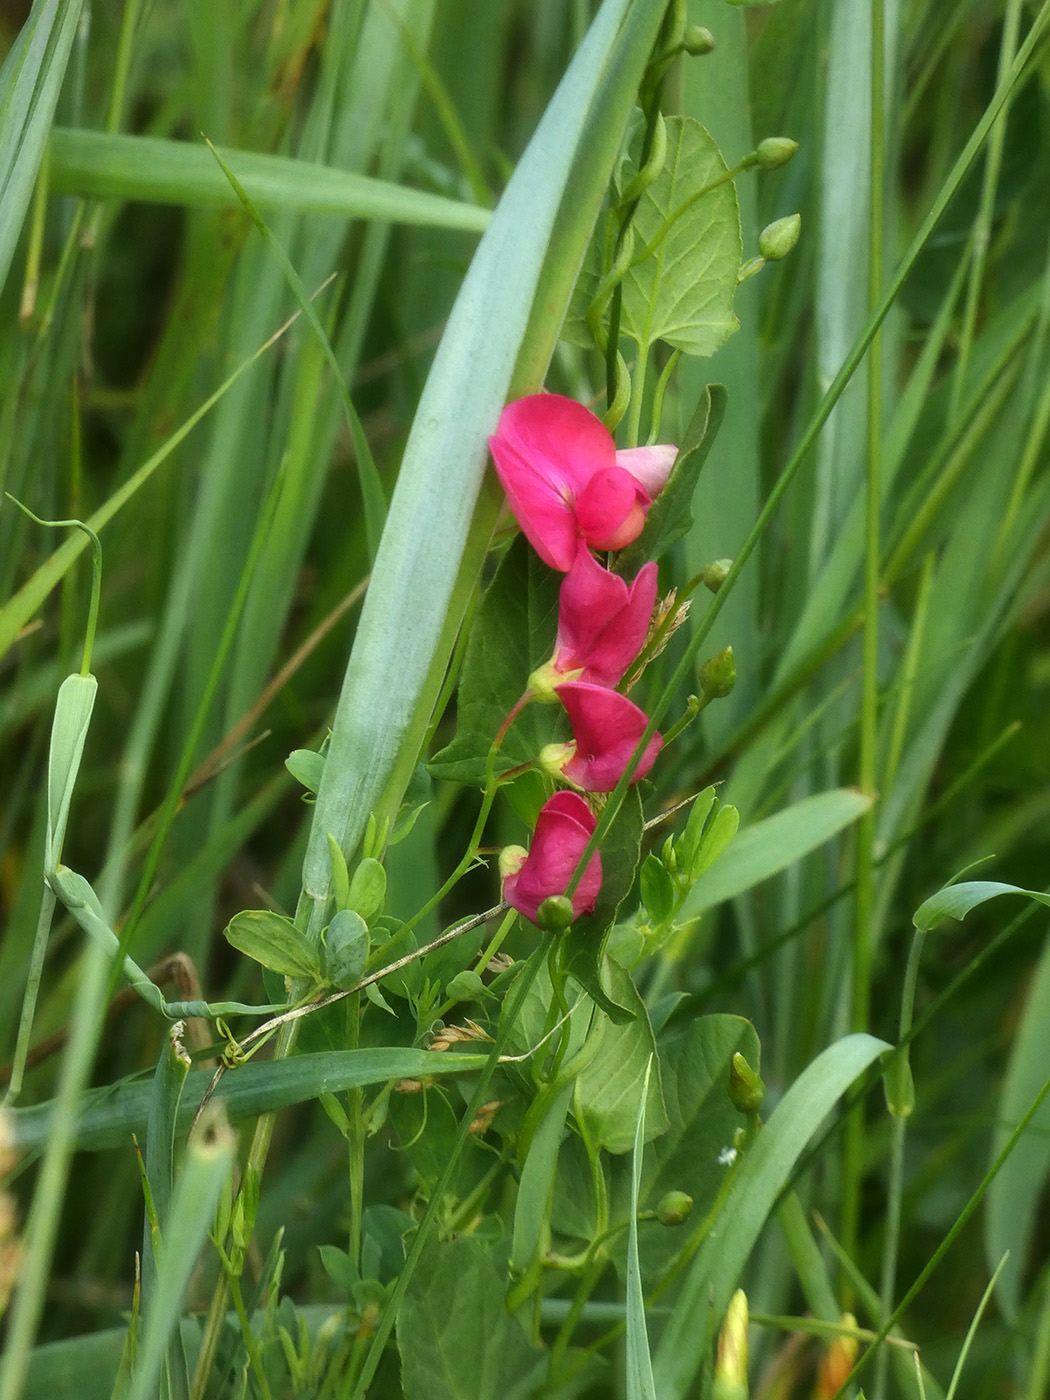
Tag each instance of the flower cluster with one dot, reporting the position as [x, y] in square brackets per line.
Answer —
[572, 492]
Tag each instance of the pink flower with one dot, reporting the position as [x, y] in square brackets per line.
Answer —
[563, 828]
[607, 729]
[601, 622]
[565, 480]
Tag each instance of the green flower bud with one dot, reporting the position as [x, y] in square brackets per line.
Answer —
[697, 40]
[555, 913]
[746, 1089]
[718, 675]
[777, 239]
[774, 152]
[730, 1381]
[898, 1084]
[716, 574]
[674, 1208]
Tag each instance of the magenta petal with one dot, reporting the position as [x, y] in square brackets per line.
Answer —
[610, 498]
[607, 728]
[562, 439]
[563, 828]
[602, 623]
[650, 466]
[547, 448]
[547, 519]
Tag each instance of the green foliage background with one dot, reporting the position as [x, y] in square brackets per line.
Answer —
[240, 510]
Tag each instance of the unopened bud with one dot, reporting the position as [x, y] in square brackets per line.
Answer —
[837, 1362]
[898, 1084]
[555, 914]
[777, 239]
[774, 152]
[716, 574]
[697, 40]
[730, 1382]
[553, 758]
[718, 675]
[746, 1089]
[511, 859]
[673, 1208]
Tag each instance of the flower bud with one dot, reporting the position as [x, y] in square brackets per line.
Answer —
[837, 1362]
[555, 913]
[746, 1089]
[777, 239]
[730, 1382]
[697, 40]
[674, 1207]
[774, 152]
[716, 574]
[718, 675]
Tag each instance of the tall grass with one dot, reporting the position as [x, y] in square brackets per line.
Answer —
[266, 381]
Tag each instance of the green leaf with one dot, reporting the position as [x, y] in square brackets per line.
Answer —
[683, 292]
[532, 1206]
[209, 1160]
[455, 1337]
[306, 767]
[1015, 1196]
[512, 634]
[766, 1169]
[772, 845]
[639, 1366]
[107, 1117]
[30, 81]
[346, 949]
[956, 901]
[274, 941]
[610, 1085]
[671, 516]
[367, 893]
[115, 166]
[657, 888]
[76, 699]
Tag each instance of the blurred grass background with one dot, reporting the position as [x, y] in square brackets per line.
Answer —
[121, 315]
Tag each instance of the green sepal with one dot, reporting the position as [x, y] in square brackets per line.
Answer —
[274, 941]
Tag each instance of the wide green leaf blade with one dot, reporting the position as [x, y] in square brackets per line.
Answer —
[639, 1378]
[108, 1117]
[29, 86]
[158, 171]
[764, 1172]
[441, 473]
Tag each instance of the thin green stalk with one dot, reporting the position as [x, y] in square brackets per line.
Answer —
[45, 1213]
[982, 228]
[29, 999]
[895, 1171]
[864, 901]
[1039, 1373]
[1018, 70]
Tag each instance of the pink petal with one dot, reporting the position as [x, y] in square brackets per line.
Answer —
[563, 828]
[650, 466]
[610, 499]
[547, 519]
[607, 728]
[602, 623]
